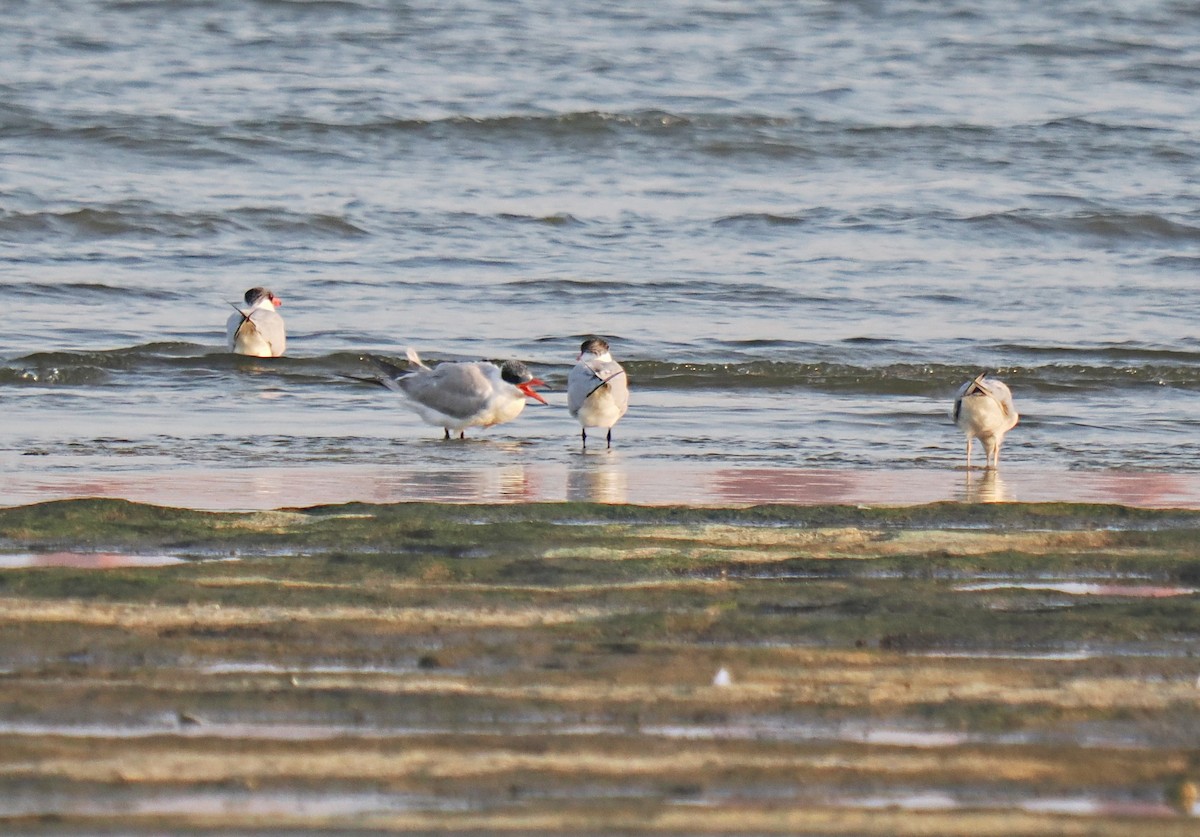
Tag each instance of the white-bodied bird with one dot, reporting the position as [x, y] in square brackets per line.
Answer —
[258, 330]
[597, 388]
[983, 409]
[458, 395]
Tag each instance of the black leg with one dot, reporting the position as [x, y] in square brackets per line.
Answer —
[609, 437]
[447, 429]
[583, 435]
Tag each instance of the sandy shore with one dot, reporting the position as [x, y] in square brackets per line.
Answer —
[597, 479]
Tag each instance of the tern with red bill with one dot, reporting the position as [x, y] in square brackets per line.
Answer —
[597, 388]
[257, 330]
[458, 395]
[983, 409]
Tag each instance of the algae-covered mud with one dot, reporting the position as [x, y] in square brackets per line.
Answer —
[568, 668]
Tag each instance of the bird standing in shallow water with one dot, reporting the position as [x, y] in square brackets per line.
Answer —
[983, 409]
[597, 388]
[458, 395]
[258, 330]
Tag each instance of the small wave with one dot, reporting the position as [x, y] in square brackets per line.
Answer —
[178, 362]
[894, 379]
[315, 6]
[84, 290]
[1106, 226]
[155, 137]
[559, 219]
[767, 218]
[276, 220]
[581, 124]
[1176, 262]
[1115, 353]
[906, 379]
[109, 222]
[584, 289]
[112, 359]
[142, 220]
[755, 365]
[49, 375]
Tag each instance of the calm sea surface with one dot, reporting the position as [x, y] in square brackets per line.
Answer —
[800, 224]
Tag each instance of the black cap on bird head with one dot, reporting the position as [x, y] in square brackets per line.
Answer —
[515, 372]
[518, 374]
[255, 295]
[595, 345]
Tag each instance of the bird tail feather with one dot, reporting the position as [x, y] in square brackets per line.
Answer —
[414, 359]
[977, 386]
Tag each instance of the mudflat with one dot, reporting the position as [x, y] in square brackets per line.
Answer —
[585, 668]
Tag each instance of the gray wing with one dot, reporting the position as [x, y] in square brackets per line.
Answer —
[586, 378]
[270, 328]
[458, 390]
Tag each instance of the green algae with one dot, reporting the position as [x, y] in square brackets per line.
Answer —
[445, 650]
[119, 522]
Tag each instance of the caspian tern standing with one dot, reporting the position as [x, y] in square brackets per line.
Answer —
[984, 408]
[258, 330]
[458, 395]
[597, 388]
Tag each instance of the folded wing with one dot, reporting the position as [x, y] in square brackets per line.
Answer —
[591, 377]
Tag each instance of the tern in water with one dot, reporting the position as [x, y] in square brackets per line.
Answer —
[597, 388]
[983, 409]
[458, 395]
[258, 330]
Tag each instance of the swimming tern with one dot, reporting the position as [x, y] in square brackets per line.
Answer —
[258, 330]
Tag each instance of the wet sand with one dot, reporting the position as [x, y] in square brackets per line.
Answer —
[576, 668]
[598, 478]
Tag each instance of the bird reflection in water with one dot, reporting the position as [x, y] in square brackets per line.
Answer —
[987, 487]
[597, 479]
[460, 485]
[516, 484]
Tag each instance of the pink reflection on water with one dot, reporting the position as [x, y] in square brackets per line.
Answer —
[1083, 588]
[603, 479]
[84, 560]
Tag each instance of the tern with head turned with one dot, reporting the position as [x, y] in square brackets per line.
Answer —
[983, 409]
[458, 395]
[597, 388]
[257, 330]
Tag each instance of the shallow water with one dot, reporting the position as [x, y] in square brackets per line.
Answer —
[84, 560]
[1084, 588]
[487, 472]
[800, 225]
